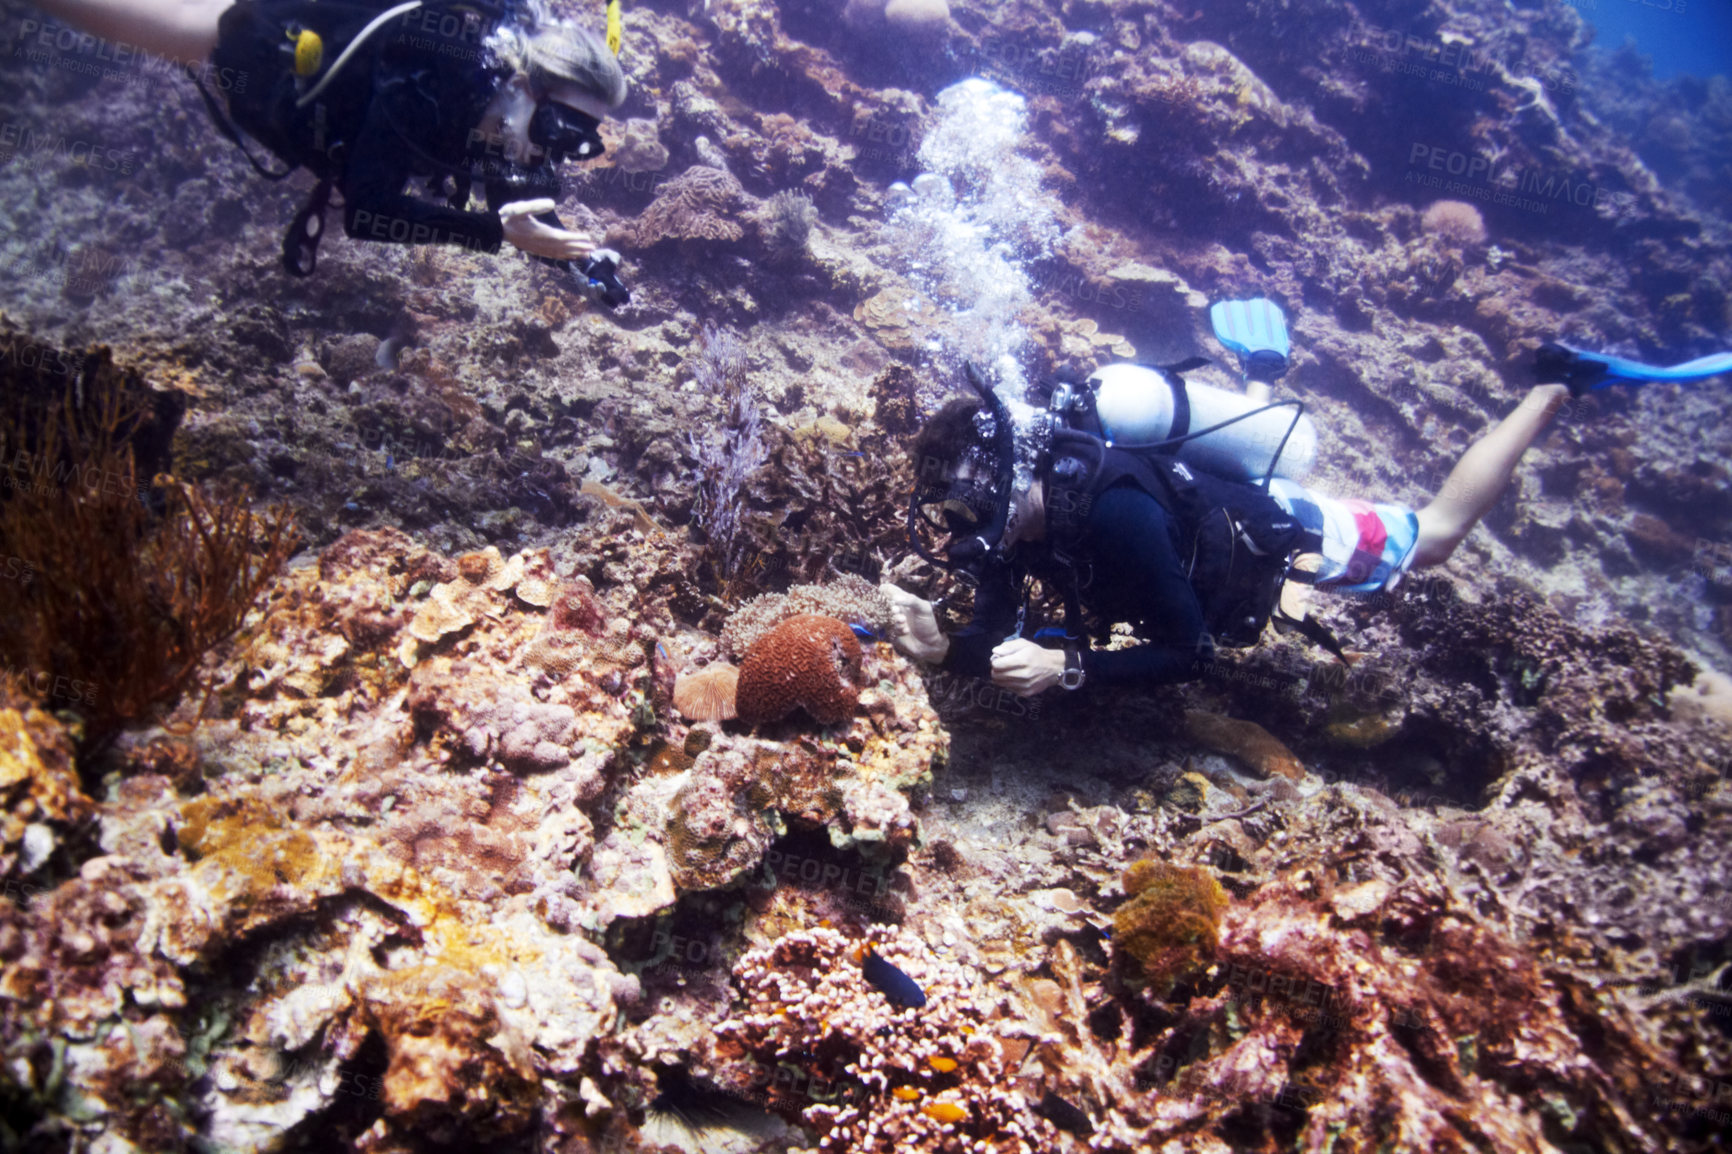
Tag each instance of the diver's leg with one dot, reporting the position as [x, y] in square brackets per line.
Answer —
[1478, 479]
[183, 30]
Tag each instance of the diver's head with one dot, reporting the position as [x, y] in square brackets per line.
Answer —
[963, 503]
[571, 80]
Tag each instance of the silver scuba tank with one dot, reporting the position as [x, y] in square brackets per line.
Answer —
[1139, 406]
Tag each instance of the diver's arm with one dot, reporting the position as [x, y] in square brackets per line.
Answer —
[181, 30]
[534, 227]
[1134, 526]
[376, 208]
[525, 198]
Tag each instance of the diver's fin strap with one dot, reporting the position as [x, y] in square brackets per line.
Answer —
[1557, 365]
[227, 128]
[1256, 330]
[301, 242]
[1585, 371]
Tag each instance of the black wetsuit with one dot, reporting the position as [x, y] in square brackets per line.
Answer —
[1133, 575]
[406, 107]
[423, 122]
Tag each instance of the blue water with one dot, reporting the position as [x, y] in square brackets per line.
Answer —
[1692, 37]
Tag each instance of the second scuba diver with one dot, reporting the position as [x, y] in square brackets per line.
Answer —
[1188, 558]
[457, 94]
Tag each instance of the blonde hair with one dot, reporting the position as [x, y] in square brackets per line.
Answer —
[561, 53]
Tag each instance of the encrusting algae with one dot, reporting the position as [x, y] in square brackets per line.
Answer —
[1170, 921]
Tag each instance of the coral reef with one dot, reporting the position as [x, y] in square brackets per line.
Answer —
[441, 861]
[39, 788]
[929, 1079]
[806, 662]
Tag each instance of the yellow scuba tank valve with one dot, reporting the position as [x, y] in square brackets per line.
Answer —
[613, 26]
[309, 51]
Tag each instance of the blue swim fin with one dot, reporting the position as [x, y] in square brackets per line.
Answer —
[1257, 331]
[1586, 372]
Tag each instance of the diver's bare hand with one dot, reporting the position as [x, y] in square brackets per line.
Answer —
[539, 239]
[914, 627]
[1025, 668]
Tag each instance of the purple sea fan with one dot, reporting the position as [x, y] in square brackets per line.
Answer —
[729, 455]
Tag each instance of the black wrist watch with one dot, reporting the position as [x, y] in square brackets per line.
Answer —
[1072, 677]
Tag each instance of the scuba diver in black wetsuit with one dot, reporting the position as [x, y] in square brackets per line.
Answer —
[1094, 499]
[460, 94]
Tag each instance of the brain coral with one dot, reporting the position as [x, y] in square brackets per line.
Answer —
[698, 204]
[806, 661]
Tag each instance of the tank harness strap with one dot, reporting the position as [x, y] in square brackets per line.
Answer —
[227, 128]
[1314, 631]
[1307, 627]
[1181, 407]
[301, 242]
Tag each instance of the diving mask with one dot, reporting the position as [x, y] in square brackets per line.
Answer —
[563, 131]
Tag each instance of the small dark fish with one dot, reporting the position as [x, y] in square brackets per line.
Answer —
[1066, 1117]
[863, 633]
[895, 985]
[385, 356]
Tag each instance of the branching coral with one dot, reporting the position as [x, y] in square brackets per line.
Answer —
[877, 1078]
[850, 598]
